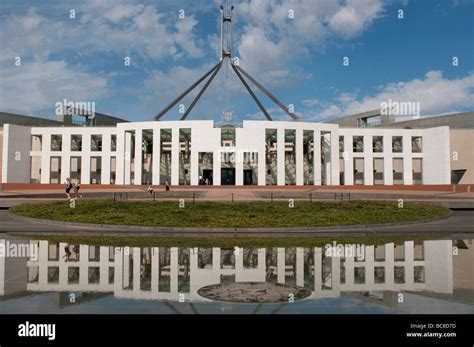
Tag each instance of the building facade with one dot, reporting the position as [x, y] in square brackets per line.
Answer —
[197, 152]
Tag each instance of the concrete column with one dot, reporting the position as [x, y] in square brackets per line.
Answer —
[118, 265]
[409, 265]
[105, 174]
[42, 263]
[156, 157]
[239, 168]
[281, 265]
[120, 158]
[387, 161]
[126, 251]
[336, 275]
[327, 154]
[281, 157]
[138, 156]
[300, 266]
[216, 259]
[174, 270]
[407, 161]
[262, 254]
[128, 156]
[348, 161]
[389, 265]
[175, 156]
[369, 267]
[45, 158]
[155, 262]
[334, 158]
[63, 268]
[317, 157]
[261, 169]
[84, 265]
[299, 158]
[136, 268]
[86, 159]
[66, 158]
[216, 168]
[368, 161]
[104, 266]
[318, 269]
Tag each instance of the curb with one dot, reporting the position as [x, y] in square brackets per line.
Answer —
[127, 228]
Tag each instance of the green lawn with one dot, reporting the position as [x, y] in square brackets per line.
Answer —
[241, 214]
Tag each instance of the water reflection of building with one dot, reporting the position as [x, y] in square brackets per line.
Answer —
[178, 273]
[13, 281]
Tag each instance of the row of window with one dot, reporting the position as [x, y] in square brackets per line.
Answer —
[379, 275]
[377, 144]
[76, 143]
[93, 275]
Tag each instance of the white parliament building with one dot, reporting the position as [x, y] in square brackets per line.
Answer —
[371, 148]
[198, 152]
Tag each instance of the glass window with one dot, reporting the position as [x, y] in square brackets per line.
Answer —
[416, 144]
[228, 137]
[359, 275]
[33, 274]
[358, 144]
[111, 275]
[94, 275]
[96, 143]
[113, 143]
[399, 274]
[377, 144]
[341, 144]
[73, 275]
[397, 144]
[379, 274]
[56, 142]
[419, 273]
[53, 274]
[76, 143]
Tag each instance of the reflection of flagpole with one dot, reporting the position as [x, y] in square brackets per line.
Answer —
[279, 307]
[257, 308]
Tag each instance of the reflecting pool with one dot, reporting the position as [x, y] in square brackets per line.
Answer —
[429, 276]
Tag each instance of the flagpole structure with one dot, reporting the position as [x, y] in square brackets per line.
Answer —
[226, 54]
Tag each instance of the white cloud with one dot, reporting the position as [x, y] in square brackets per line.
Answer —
[435, 94]
[351, 19]
[101, 26]
[271, 42]
[34, 87]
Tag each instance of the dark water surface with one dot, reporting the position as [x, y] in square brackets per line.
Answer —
[431, 276]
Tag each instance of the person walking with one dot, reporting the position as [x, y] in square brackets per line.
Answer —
[68, 187]
[150, 189]
[167, 185]
[77, 186]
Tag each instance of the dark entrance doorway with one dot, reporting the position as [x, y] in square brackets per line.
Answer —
[228, 177]
[206, 177]
[248, 177]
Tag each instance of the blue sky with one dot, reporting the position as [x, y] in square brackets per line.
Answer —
[299, 59]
